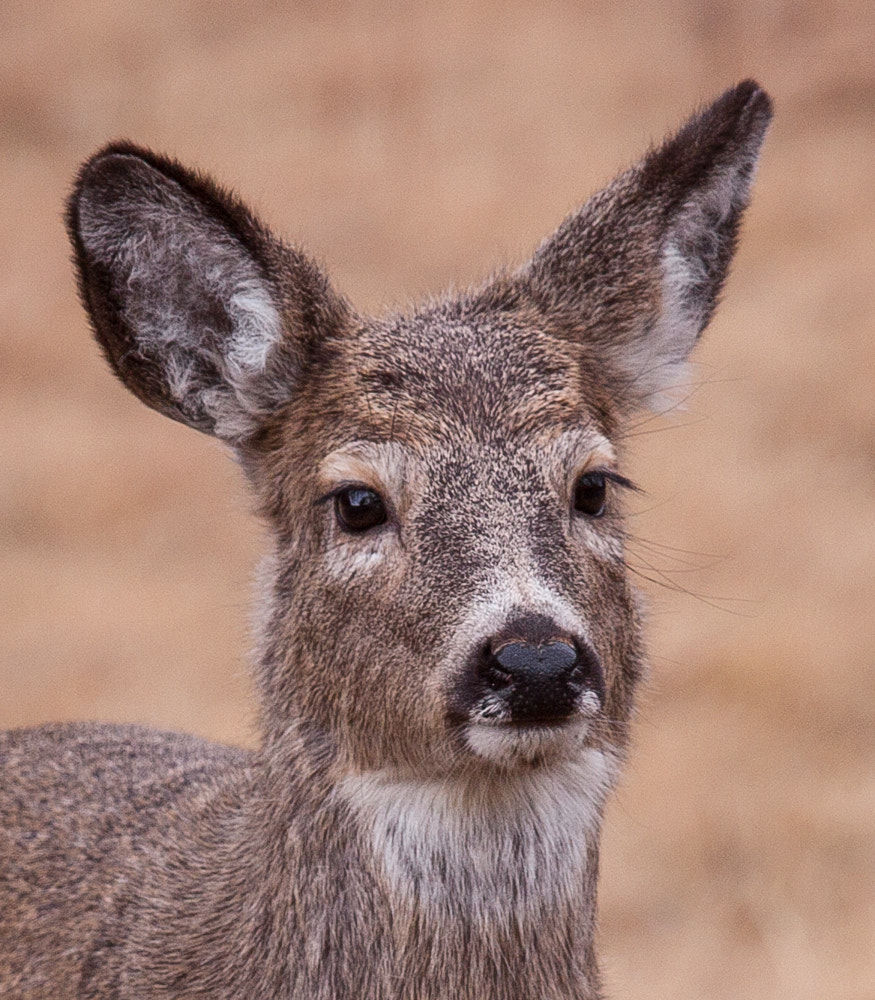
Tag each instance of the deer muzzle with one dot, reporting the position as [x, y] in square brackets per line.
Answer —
[533, 673]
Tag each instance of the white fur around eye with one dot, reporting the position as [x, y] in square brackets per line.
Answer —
[605, 546]
[350, 562]
[353, 556]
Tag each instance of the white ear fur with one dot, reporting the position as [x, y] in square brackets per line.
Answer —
[181, 277]
[191, 302]
[687, 263]
[638, 270]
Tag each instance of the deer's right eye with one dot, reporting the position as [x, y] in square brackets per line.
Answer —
[359, 509]
[590, 492]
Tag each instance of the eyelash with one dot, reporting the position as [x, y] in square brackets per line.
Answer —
[351, 484]
[614, 477]
[590, 496]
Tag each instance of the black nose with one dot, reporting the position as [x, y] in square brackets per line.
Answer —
[540, 672]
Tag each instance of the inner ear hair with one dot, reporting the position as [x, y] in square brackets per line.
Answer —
[636, 273]
[201, 312]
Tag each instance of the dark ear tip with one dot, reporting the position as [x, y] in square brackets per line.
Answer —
[97, 161]
[117, 152]
[100, 173]
[756, 100]
[748, 104]
[729, 131]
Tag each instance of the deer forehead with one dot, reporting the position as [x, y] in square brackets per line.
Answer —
[460, 370]
[404, 471]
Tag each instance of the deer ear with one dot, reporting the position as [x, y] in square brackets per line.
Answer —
[636, 273]
[201, 312]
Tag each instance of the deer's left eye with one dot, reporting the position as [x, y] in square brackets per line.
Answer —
[359, 509]
[590, 494]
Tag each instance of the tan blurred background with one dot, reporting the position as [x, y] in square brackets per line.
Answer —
[410, 146]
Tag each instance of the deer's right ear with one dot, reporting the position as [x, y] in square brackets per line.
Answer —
[202, 313]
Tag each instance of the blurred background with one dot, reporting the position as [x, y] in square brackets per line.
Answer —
[410, 146]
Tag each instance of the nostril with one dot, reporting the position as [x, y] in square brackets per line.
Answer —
[497, 678]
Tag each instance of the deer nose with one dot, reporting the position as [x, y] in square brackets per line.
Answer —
[547, 661]
[540, 679]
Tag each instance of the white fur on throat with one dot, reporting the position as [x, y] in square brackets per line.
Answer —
[510, 846]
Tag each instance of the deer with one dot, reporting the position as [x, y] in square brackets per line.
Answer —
[449, 642]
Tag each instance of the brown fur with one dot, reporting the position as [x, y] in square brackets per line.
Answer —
[402, 831]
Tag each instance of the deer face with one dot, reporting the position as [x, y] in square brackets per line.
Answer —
[450, 547]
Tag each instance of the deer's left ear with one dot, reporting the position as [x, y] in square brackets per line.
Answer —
[635, 275]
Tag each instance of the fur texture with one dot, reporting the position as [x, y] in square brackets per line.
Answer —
[422, 817]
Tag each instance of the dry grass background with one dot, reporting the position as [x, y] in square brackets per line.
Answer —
[410, 146]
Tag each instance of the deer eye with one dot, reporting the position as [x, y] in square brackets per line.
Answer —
[359, 509]
[590, 492]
